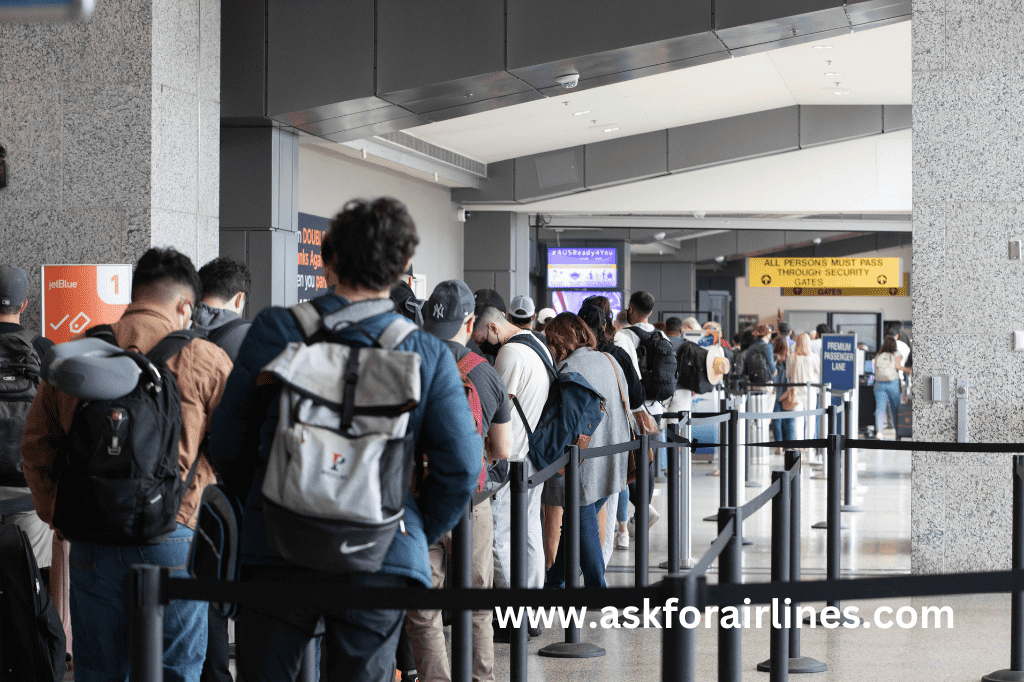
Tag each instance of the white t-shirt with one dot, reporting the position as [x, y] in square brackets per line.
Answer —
[525, 377]
[629, 341]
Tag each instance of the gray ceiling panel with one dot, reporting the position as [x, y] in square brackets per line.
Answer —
[623, 76]
[826, 124]
[550, 174]
[743, 23]
[868, 11]
[498, 188]
[733, 139]
[357, 120]
[626, 159]
[483, 105]
[715, 245]
[548, 39]
[896, 117]
[754, 241]
[376, 129]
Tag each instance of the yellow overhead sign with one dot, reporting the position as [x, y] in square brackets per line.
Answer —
[823, 272]
[851, 291]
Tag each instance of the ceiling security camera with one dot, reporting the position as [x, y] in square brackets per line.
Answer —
[463, 215]
[570, 80]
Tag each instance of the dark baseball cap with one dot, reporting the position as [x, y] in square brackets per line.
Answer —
[489, 297]
[447, 308]
[13, 285]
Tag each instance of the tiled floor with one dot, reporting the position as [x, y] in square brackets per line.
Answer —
[877, 543]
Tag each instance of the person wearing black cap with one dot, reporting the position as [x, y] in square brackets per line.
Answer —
[449, 316]
[15, 341]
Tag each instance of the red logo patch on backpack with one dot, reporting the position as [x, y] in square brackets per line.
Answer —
[466, 365]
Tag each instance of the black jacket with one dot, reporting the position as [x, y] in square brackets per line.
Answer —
[634, 389]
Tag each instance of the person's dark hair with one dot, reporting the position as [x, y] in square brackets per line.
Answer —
[780, 347]
[660, 326]
[158, 266]
[747, 339]
[642, 302]
[889, 345]
[823, 329]
[673, 324]
[597, 320]
[604, 304]
[784, 328]
[567, 332]
[224, 277]
[369, 244]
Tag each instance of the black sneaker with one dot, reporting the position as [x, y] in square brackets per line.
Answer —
[535, 632]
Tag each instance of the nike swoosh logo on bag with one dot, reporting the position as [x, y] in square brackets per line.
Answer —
[345, 549]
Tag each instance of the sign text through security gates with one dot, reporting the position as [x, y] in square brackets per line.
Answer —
[823, 272]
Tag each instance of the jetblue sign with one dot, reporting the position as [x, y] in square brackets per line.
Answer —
[839, 361]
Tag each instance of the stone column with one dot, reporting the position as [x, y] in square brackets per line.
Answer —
[112, 131]
[968, 95]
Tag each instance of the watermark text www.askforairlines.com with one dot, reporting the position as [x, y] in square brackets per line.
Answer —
[742, 617]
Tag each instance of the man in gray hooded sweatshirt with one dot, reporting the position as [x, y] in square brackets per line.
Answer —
[225, 290]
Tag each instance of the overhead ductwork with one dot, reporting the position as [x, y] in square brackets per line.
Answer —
[350, 70]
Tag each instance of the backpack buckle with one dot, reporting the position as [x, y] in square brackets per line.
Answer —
[115, 448]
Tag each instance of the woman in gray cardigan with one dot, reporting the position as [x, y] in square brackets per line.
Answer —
[574, 348]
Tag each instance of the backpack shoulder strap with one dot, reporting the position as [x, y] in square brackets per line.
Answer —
[222, 331]
[171, 345]
[396, 332]
[102, 331]
[307, 317]
[470, 362]
[532, 343]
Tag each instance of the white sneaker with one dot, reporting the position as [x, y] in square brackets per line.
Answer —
[622, 539]
[631, 526]
[652, 516]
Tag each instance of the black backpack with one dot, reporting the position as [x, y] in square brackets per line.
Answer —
[19, 378]
[693, 368]
[757, 370]
[32, 641]
[119, 483]
[659, 370]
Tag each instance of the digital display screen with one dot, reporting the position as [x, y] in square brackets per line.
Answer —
[582, 267]
[570, 301]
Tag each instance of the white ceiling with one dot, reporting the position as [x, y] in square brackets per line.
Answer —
[876, 68]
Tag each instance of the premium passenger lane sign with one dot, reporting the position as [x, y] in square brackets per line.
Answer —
[823, 272]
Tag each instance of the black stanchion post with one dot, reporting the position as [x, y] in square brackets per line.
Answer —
[462, 621]
[674, 509]
[833, 538]
[734, 459]
[778, 661]
[519, 512]
[730, 572]
[797, 663]
[146, 637]
[833, 478]
[1016, 671]
[723, 461]
[572, 647]
[642, 527]
[849, 431]
[677, 642]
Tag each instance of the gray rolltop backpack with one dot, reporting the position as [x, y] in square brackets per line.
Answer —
[342, 457]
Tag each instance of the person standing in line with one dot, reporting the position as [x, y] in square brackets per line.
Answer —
[803, 368]
[888, 363]
[449, 316]
[782, 429]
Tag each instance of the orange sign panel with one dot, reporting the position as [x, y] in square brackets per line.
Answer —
[76, 297]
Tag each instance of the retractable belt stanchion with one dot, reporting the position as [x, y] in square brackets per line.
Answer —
[572, 647]
[797, 664]
[678, 643]
[781, 503]
[519, 512]
[679, 463]
[850, 432]
[734, 464]
[730, 572]
[462, 621]
[673, 494]
[723, 462]
[833, 475]
[642, 513]
[1015, 673]
[146, 637]
[754, 404]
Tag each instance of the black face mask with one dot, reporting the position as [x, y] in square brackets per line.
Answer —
[489, 348]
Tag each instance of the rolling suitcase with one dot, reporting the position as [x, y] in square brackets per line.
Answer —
[905, 420]
[32, 642]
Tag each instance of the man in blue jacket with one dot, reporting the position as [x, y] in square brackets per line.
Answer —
[367, 248]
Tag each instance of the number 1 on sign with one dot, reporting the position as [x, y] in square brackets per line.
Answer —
[115, 279]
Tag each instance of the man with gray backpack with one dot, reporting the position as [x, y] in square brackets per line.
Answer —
[112, 453]
[351, 390]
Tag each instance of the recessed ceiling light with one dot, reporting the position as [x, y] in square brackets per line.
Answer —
[610, 130]
[833, 74]
[822, 47]
[580, 113]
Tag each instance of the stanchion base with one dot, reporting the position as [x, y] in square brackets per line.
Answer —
[713, 518]
[804, 664]
[577, 650]
[851, 508]
[752, 484]
[684, 565]
[823, 525]
[1004, 676]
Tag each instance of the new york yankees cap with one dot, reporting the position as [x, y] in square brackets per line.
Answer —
[447, 308]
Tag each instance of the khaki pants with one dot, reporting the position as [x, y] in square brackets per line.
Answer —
[424, 627]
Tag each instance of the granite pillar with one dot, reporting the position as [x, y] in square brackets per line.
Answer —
[112, 130]
[968, 118]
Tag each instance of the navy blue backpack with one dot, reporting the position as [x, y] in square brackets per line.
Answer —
[573, 409]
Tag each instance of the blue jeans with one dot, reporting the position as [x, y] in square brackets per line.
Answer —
[886, 393]
[591, 555]
[622, 511]
[783, 429]
[99, 611]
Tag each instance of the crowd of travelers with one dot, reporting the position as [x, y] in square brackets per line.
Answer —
[350, 433]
